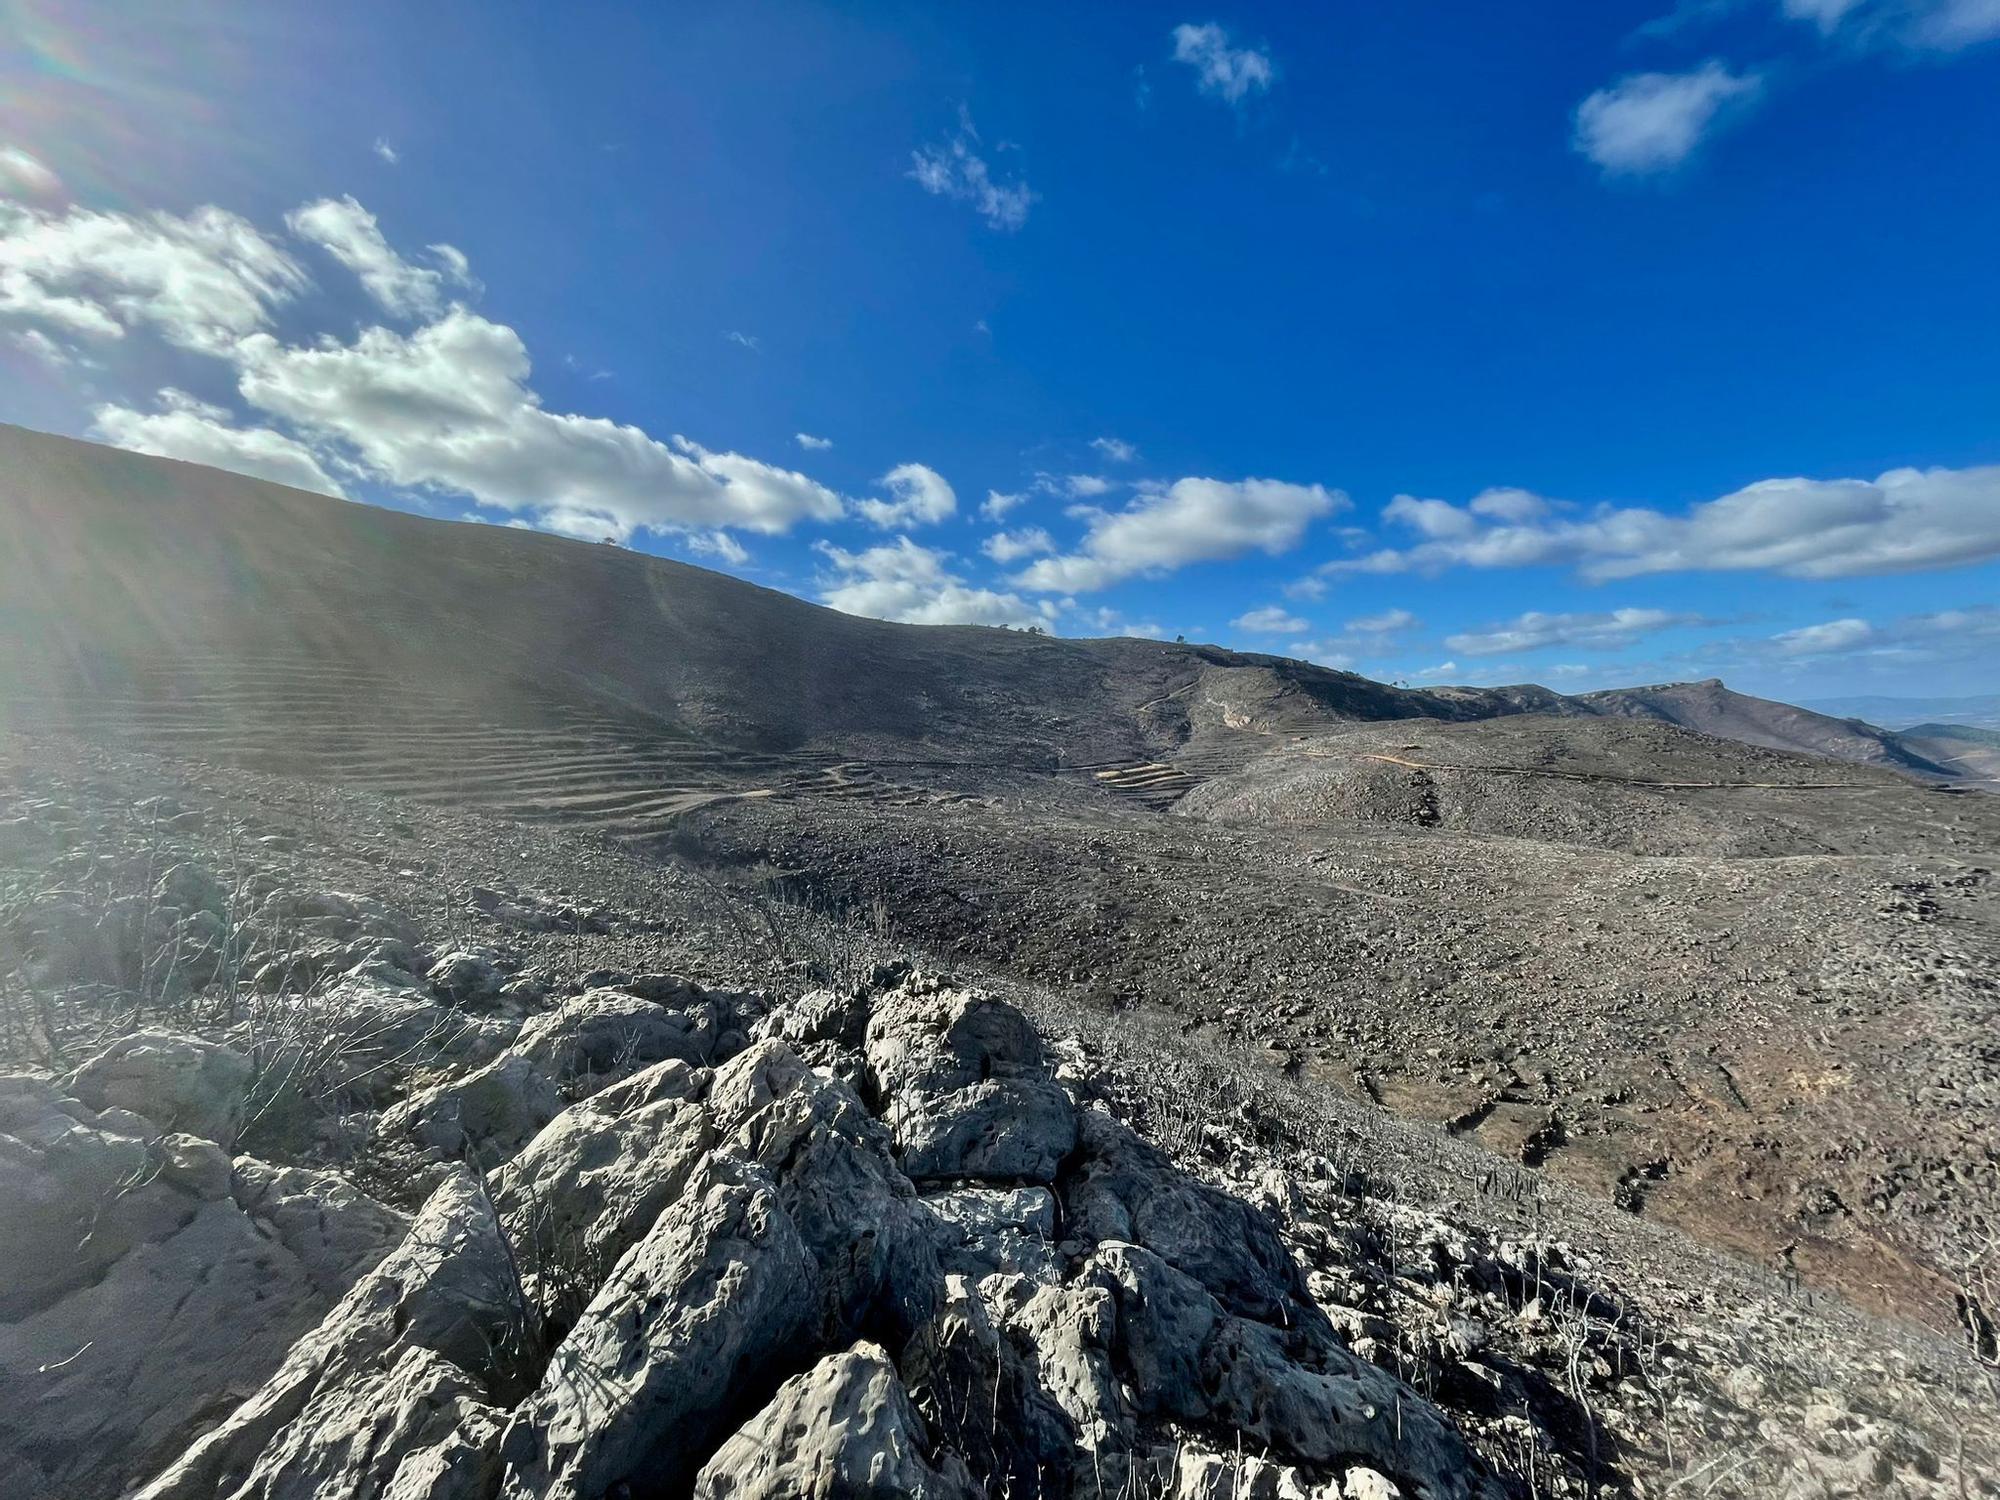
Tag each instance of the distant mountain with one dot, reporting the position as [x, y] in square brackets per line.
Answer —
[1966, 750]
[1710, 708]
[1982, 710]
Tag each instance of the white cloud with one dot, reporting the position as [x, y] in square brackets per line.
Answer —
[1820, 640]
[1437, 519]
[387, 152]
[1272, 619]
[1222, 71]
[351, 235]
[1115, 450]
[996, 504]
[26, 175]
[1949, 25]
[1109, 622]
[952, 169]
[913, 584]
[1651, 122]
[1389, 622]
[448, 407]
[810, 443]
[748, 341]
[199, 433]
[202, 281]
[1074, 486]
[1825, 14]
[1916, 25]
[1326, 653]
[1535, 630]
[34, 341]
[1433, 674]
[1508, 505]
[1904, 521]
[720, 545]
[923, 498]
[1189, 521]
[1006, 547]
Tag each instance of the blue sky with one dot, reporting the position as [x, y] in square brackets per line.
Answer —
[1583, 343]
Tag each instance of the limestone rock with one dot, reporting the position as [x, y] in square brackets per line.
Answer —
[491, 1112]
[393, 1374]
[599, 1175]
[606, 1033]
[844, 1430]
[698, 1319]
[180, 1083]
[1125, 1190]
[1298, 1396]
[871, 1238]
[967, 1089]
[1000, 1229]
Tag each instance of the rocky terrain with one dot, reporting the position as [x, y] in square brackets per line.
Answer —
[474, 1021]
[376, 1149]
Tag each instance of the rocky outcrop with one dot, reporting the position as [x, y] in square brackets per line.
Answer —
[758, 1279]
[966, 1088]
[150, 1283]
[693, 1321]
[844, 1430]
[392, 1389]
[180, 1083]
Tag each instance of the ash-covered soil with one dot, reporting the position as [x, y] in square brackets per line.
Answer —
[378, 1147]
[1638, 785]
[1790, 1055]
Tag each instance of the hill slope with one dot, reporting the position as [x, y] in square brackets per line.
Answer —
[1710, 708]
[143, 576]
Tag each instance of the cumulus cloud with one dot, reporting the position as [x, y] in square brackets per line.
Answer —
[445, 407]
[1222, 70]
[1334, 653]
[387, 152]
[1111, 622]
[1904, 521]
[1535, 630]
[1272, 619]
[996, 504]
[26, 175]
[200, 433]
[1189, 521]
[1388, 622]
[1437, 673]
[350, 234]
[1183, 523]
[1652, 122]
[903, 581]
[922, 498]
[1115, 450]
[719, 545]
[954, 169]
[201, 281]
[1820, 640]
[1073, 486]
[810, 443]
[448, 407]
[1006, 547]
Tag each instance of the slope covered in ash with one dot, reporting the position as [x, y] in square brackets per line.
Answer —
[149, 579]
[1635, 785]
[361, 1149]
[1964, 750]
[1710, 708]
